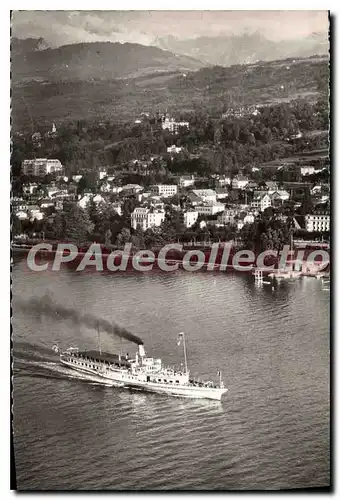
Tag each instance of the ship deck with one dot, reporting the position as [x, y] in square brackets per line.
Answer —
[104, 357]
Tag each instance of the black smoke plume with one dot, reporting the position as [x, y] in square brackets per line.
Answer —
[45, 306]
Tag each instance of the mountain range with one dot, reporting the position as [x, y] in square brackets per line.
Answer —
[32, 59]
[244, 49]
[92, 61]
[118, 81]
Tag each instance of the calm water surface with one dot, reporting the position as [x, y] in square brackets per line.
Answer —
[270, 431]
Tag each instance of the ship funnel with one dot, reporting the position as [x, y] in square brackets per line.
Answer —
[141, 350]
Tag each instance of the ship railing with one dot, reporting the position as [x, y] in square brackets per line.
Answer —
[174, 371]
[164, 371]
[201, 383]
[119, 367]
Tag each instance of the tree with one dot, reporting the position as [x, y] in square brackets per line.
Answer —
[268, 212]
[77, 225]
[129, 205]
[88, 181]
[16, 225]
[153, 237]
[58, 228]
[108, 236]
[306, 207]
[137, 238]
[124, 237]
[266, 233]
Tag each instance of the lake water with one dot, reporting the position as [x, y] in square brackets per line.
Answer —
[270, 431]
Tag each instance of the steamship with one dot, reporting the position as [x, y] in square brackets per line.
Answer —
[141, 372]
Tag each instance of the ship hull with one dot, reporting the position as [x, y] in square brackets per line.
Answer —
[121, 379]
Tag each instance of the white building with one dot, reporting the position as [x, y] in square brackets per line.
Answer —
[249, 218]
[190, 218]
[221, 193]
[41, 166]
[115, 189]
[210, 208]
[307, 170]
[146, 218]
[102, 174]
[243, 219]
[155, 202]
[84, 200]
[205, 194]
[173, 126]
[131, 188]
[19, 204]
[30, 188]
[281, 195]
[186, 181]
[239, 182]
[173, 149]
[98, 199]
[317, 222]
[261, 202]
[76, 178]
[227, 217]
[224, 180]
[35, 213]
[239, 224]
[165, 190]
[21, 215]
[145, 195]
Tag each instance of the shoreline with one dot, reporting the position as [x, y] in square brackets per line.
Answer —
[217, 258]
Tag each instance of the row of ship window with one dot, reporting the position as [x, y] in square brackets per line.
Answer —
[96, 367]
[84, 364]
[167, 381]
[323, 217]
[101, 361]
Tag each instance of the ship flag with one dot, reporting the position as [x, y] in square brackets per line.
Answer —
[179, 338]
[218, 373]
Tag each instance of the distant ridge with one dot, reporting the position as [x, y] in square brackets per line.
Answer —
[245, 48]
[21, 46]
[93, 61]
[210, 89]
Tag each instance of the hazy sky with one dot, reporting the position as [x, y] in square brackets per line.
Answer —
[63, 27]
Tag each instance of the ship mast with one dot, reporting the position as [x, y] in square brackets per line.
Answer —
[99, 344]
[185, 352]
[120, 347]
